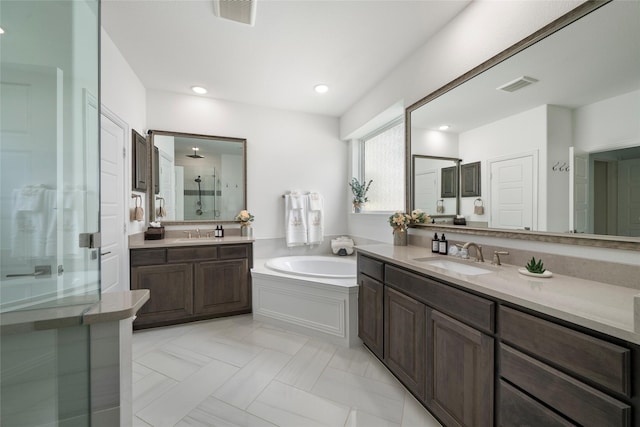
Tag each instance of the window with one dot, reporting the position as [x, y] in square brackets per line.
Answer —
[382, 160]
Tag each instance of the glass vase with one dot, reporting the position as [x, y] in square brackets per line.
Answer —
[246, 230]
[399, 237]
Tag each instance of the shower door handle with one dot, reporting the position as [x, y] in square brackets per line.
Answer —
[40, 270]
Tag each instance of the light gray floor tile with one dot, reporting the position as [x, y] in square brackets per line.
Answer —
[174, 405]
[149, 388]
[282, 341]
[415, 415]
[236, 372]
[353, 360]
[213, 412]
[306, 366]
[288, 406]
[249, 382]
[362, 419]
[173, 361]
[376, 398]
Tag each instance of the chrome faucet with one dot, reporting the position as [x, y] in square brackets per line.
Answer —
[198, 232]
[496, 257]
[479, 257]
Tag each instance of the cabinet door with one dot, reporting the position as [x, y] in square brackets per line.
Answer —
[459, 372]
[171, 292]
[370, 314]
[222, 287]
[404, 339]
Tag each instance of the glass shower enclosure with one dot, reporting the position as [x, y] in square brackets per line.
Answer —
[49, 208]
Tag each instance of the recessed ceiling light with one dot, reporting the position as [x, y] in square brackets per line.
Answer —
[199, 90]
[321, 88]
[444, 127]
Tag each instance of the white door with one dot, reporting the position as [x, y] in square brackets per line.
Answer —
[512, 193]
[578, 191]
[112, 219]
[629, 198]
[426, 191]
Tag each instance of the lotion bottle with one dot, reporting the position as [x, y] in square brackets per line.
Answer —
[443, 245]
[435, 244]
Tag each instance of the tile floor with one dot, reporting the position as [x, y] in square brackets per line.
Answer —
[238, 372]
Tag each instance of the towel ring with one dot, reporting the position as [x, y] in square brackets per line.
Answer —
[475, 202]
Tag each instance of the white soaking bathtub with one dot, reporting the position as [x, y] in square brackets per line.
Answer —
[317, 295]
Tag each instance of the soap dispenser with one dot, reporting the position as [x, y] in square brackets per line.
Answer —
[435, 244]
[443, 247]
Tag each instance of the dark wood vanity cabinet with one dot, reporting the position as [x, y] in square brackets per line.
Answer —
[370, 314]
[459, 371]
[404, 339]
[479, 361]
[192, 283]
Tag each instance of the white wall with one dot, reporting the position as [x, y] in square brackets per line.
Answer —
[285, 151]
[123, 94]
[609, 124]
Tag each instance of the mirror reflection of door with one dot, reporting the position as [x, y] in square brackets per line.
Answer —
[629, 198]
[579, 191]
[426, 190]
[512, 201]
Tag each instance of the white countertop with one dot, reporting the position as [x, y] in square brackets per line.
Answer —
[140, 243]
[598, 306]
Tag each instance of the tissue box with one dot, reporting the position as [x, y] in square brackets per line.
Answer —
[154, 233]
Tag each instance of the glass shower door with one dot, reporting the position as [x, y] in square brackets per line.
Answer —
[49, 208]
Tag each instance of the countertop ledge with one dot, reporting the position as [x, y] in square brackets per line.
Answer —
[602, 307]
[115, 306]
[184, 241]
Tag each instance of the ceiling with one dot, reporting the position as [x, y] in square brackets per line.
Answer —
[295, 44]
[595, 58]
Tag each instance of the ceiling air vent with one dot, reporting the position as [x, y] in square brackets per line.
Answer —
[243, 11]
[517, 84]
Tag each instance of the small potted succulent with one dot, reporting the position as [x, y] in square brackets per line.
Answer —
[535, 268]
[359, 190]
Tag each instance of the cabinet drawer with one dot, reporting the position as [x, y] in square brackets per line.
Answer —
[371, 267]
[192, 253]
[517, 409]
[464, 306]
[602, 362]
[148, 257]
[581, 403]
[233, 251]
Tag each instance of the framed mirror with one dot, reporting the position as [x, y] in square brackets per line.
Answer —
[435, 184]
[559, 111]
[196, 178]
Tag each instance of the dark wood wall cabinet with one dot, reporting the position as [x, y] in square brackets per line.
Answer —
[192, 283]
[473, 360]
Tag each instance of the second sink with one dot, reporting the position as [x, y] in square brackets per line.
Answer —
[455, 267]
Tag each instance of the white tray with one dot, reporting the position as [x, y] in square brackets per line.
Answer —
[526, 272]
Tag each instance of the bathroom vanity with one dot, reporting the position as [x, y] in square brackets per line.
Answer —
[192, 279]
[494, 347]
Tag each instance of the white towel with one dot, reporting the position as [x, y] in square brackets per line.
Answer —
[33, 230]
[295, 213]
[315, 217]
[29, 198]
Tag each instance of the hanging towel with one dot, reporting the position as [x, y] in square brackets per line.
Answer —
[295, 212]
[29, 198]
[315, 219]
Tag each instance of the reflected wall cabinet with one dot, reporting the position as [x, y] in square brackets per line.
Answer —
[140, 162]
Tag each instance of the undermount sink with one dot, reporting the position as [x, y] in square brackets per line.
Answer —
[455, 267]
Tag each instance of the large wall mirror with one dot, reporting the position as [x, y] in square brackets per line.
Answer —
[554, 126]
[196, 178]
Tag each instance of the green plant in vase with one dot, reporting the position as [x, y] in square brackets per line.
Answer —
[359, 190]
